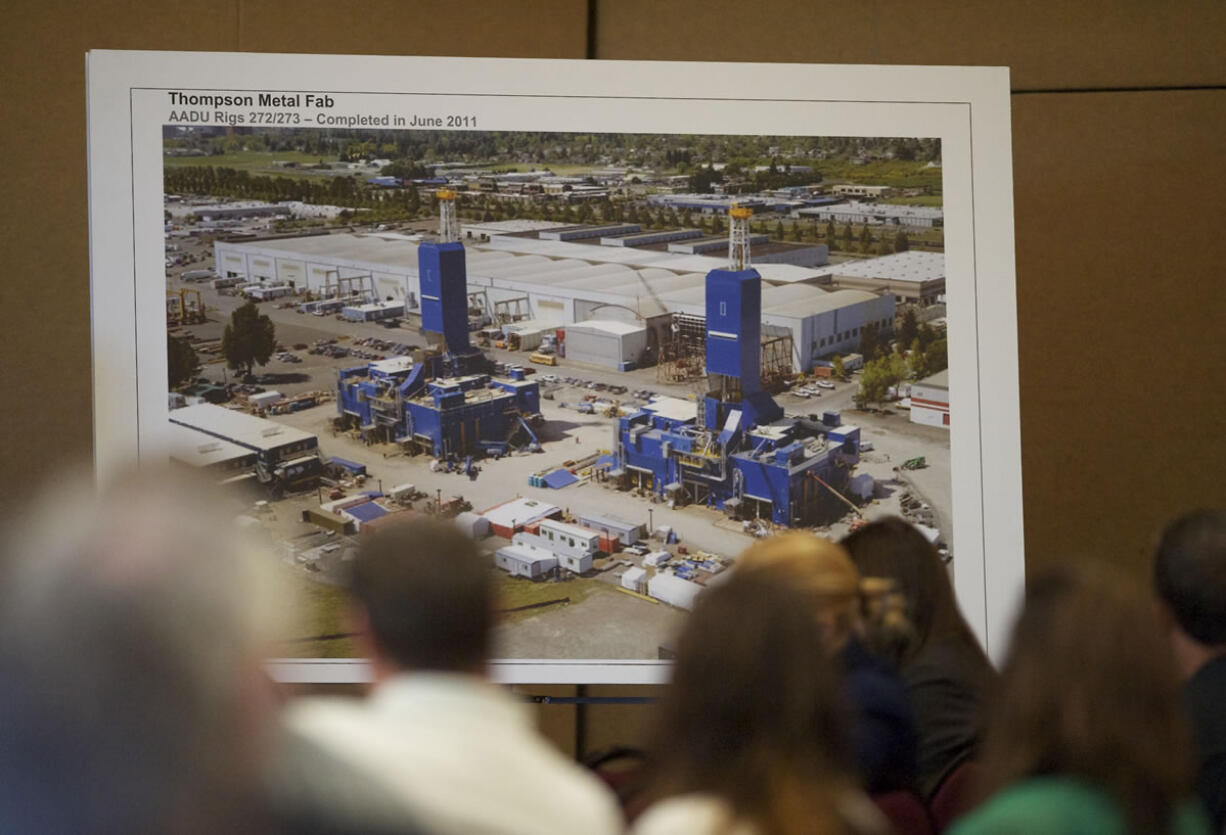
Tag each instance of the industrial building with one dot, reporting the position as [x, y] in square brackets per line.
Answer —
[441, 401]
[614, 344]
[227, 461]
[861, 190]
[285, 458]
[916, 217]
[734, 449]
[911, 277]
[560, 283]
[930, 400]
[519, 514]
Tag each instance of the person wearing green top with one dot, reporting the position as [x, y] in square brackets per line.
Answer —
[1065, 806]
[1087, 735]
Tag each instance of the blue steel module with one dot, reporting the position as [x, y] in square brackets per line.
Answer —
[441, 401]
[736, 450]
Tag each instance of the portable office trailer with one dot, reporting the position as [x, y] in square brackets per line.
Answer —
[525, 561]
[620, 530]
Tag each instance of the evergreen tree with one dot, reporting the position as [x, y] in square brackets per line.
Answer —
[181, 361]
[249, 339]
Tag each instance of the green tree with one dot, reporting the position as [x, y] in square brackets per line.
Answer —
[901, 242]
[249, 339]
[837, 367]
[181, 361]
[869, 342]
[873, 385]
[908, 329]
[936, 357]
[779, 230]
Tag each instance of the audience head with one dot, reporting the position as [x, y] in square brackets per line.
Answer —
[424, 593]
[1089, 690]
[845, 604]
[891, 548]
[1190, 576]
[754, 713]
[132, 696]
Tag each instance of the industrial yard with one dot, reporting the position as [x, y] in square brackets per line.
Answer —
[429, 368]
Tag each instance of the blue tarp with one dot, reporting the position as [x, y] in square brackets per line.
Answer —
[560, 478]
[352, 466]
[367, 512]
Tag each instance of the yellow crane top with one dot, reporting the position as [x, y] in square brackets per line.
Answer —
[740, 212]
[445, 194]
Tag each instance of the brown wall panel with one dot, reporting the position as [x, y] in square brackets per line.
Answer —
[45, 293]
[1048, 44]
[1121, 305]
[518, 28]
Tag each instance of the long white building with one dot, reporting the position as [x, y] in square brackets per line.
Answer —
[564, 283]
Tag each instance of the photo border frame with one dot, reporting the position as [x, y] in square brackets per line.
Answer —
[968, 107]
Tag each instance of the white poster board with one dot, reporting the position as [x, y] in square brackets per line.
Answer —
[144, 104]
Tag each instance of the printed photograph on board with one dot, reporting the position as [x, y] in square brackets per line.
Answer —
[614, 359]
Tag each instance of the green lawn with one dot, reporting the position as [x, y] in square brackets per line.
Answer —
[513, 592]
[319, 610]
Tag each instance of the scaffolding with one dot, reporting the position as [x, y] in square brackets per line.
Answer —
[776, 361]
[342, 287]
[683, 353]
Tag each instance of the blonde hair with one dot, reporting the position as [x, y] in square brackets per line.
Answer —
[845, 603]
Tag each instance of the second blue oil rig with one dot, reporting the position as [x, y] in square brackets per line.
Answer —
[736, 450]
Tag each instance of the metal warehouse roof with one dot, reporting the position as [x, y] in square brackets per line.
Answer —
[820, 303]
[606, 325]
[911, 265]
[519, 512]
[200, 450]
[350, 247]
[773, 296]
[636, 257]
[248, 430]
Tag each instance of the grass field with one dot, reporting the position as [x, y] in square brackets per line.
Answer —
[513, 592]
[320, 610]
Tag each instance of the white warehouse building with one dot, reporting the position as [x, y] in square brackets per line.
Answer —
[563, 284]
[614, 344]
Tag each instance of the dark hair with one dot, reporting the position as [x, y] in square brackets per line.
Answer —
[1190, 574]
[754, 714]
[1089, 690]
[427, 592]
[891, 548]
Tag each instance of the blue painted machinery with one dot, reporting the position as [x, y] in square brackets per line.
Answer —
[442, 400]
[734, 449]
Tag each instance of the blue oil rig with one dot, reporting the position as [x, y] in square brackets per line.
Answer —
[736, 450]
[442, 401]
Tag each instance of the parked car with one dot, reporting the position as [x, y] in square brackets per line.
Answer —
[825, 384]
